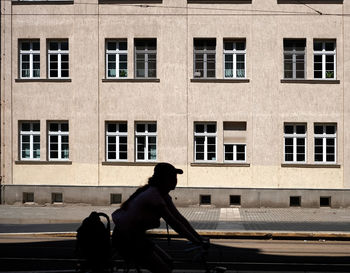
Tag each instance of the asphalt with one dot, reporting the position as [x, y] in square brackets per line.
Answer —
[284, 223]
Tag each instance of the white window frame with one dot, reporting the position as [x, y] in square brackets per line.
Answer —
[205, 134]
[235, 152]
[325, 53]
[31, 133]
[294, 52]
[324, 138]
[117, 136]
[295, 136]
[117, 54]
[59, 54]
[31, 52]
[205, 52]
[146, 52]
[145, 134]
[58, 133]
[234, 54]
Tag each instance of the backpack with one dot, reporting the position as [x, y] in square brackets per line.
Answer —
[93, 243]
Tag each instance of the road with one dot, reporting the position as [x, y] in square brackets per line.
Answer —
[55, 253]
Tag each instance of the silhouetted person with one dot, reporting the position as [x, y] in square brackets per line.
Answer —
[141, 212]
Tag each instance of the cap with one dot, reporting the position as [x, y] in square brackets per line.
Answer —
[163, 169]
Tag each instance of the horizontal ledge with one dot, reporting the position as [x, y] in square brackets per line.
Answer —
[311, 81]
[130, 80]
[43, 80]
[38, 162]
[285, 165]
[220, 164]
[221, 80]
[219, 1]
[33, 2]
[311, 1]
[115, 163]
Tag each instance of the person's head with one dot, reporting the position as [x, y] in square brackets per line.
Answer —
[165, 176]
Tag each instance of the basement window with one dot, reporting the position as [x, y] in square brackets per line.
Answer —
[294, 201]
[205, 199]
[28, 197]
[56, 197]
[116, 198]
[325, 201]
[235, 200]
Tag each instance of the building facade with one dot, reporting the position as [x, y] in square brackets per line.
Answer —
[250, 98]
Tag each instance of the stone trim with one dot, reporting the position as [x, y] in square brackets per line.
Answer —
[330, 166]
[311, 81]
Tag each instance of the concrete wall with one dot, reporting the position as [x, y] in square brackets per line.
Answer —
[175, 102]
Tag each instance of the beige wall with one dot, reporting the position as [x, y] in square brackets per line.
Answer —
[175, 102]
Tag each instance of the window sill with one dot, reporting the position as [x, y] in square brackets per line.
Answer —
[130, 1]
[48, 2]
[311, 1]
[303, 165]
[208, 164]
[38, 162]
[220, 80]
[124, 163]
[311, 81]
[219, 1]
[131, 80]
[43, 80]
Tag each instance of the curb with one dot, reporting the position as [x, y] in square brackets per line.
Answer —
[219, 234]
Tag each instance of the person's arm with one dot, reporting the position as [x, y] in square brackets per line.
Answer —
[179, 223]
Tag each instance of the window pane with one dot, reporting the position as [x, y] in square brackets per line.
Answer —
[26, 127]
[318, 129]
[64, 45]
[330, 129]
[240, 46]
[317, 46]
[64, 127]
[228, 45]
[112, 127]
[152, 127]
[111, 45]
[123, 127]
[330, 46]
[199, 128]
[53, 46]
[301, 129]
[288, 129]
[123, 46]
[211, 128]
[25, 46]
[54, 127]
[140, 128]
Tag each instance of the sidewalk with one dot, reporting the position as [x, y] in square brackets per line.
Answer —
[323, 223]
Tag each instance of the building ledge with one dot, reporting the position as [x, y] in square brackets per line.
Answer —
[219, 1]
[311, 81]
[205, 164]
[49, 2]
[130, 1]
[43, 80]
[220, 80]
[130, 80]
[39, 162]
[286, 165]
[121, 163]
[311, 1]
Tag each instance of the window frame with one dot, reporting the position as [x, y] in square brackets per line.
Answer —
[58, 133]
[234, 152]
[117, 54]
[205, 52]
[146, 135]
[31, 133]
[146, 52]
[294, 136]
[324, 136]
[59, 52]
[206, 135]
[324, 53]
[294, 52]
[117, 136]
[234, 54]
[31, 52]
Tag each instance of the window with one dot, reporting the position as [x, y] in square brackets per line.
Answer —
[295, 201]
[146, 58]
[30, 141]
[205, 141]
[295, 143]
[58, 141]
[116, 198]
[29, 59]
[294, 58]
[56, 197]
[325, 143]
[235, 59]
[235, 200]
[117, 141]
[235, 141]
[205, 199]
[116, 59]
[58, 59]
[28, 197]
[204, 58]
[324, 60]
[146, 141]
